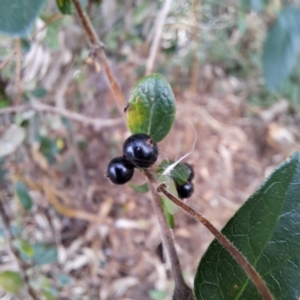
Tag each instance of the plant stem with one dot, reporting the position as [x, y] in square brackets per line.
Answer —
[14, 253]
[251, 272]
[182, 291]
[97, 46]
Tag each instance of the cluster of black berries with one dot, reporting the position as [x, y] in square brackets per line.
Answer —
[139, 151]
[186, 190]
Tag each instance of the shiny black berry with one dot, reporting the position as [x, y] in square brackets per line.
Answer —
[185, 191]
[140, 150]
[191, 173]
[120, 170]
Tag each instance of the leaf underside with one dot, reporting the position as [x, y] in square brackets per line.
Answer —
[266, 230]
[17, 17]
[151, 107]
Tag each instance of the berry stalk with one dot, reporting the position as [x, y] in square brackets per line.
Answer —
[182, 291]
[237, 255]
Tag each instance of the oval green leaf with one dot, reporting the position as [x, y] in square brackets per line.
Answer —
[266, 231]
[11, 282]
[23, 195]
[17, 17]
[44, 254]
[151, 107]
[65, 6]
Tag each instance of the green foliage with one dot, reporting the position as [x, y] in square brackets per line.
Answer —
[151, 107]
[282, 47]
[65, 6]
[179, 173]
[49, 148]
[142, 189]
[25, 44]
[63, 279]
[44, 254]
[266, 231]
[40, 253]
[157, 294]
[39, 92]
[17, 17]
[256, 5]
[11, 282]
[24, 247]
[23, 195]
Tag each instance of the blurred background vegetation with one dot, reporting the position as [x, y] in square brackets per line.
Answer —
[235, 71]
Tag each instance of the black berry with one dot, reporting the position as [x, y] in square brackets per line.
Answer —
[185, 191]
[140, 150]
[191, 173]
[120, 170]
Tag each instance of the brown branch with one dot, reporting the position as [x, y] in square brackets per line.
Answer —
[39, 107]
[160, 21]
[182, 291]
[14, 253]
[97, 46]
[8, 59]
[237, 255]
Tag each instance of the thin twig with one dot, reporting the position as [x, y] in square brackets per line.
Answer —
[182, 291]
[251, 272]
[160, 21]
[14, 253]
[7, 60]
[97, 46]
[49, 21]
[39, 107]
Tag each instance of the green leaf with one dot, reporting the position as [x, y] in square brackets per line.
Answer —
[50, 294]
[11, 282]
[65, 6]
[64, 279]
[168, 215]
[39, 92]
[23, 195]
[281, 47]
[18, 16]
[179, 173]
[49, 149]
[151, 107]
[157, 294]
[25, 44]
[256, 5]
[142, 189]
[44, 254]
[266, 231]
[24, 247]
